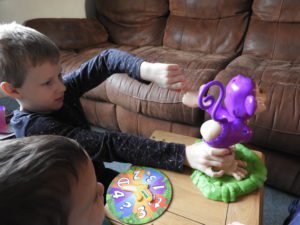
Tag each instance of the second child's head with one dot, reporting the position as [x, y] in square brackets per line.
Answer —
[48, 180]
[29, 68]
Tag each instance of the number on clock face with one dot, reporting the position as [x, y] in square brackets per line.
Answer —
[136, 175]
[118, 194]
[158, 187]
[122, 181]
[126, 205]
[150, 179]
[141, 212]
[157, 204]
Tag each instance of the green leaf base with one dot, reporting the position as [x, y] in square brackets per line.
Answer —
[227, 188]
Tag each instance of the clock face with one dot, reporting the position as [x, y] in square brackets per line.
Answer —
[139, 195]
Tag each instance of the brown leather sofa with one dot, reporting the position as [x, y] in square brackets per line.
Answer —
[209, 39]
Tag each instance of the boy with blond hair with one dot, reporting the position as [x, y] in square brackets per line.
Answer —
[49, 103]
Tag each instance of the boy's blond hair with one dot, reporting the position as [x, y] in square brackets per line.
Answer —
[21, 48]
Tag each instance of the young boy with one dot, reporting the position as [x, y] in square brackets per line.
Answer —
[49, 103]
[48, 180]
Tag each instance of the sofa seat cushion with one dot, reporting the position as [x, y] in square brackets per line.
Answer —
[150, 100]
[136, 123]
[278, 127]
[283, 171]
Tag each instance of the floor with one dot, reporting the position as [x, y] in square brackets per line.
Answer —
[275, 206]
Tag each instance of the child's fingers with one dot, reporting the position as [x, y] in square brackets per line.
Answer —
[237, 176]
[173, 73]
[211, 163]
[220, 151]
[232, 148]
[176, 86]
[171, 67]
[209, 172]
[174, 80]
[242, 163]
[242, 171]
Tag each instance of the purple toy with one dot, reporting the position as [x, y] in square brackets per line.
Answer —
[239, 105]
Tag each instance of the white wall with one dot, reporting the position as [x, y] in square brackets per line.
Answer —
[21, 10]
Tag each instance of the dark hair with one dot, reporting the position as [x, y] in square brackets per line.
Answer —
[36, 175]
[20, 48]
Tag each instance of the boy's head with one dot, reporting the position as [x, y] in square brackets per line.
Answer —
[29, 68]
[48, 180]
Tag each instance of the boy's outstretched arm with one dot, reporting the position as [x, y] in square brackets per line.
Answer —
[116, 146]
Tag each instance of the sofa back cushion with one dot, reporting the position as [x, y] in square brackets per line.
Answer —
[274, 30]
[70, 33]
[134, 22]
[208, 26]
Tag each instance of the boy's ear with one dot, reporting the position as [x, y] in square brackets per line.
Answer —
[9, 90]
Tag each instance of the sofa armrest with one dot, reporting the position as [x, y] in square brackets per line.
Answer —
[69, 33]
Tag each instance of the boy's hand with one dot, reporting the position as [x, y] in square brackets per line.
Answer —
[164, 75]
[202, 157]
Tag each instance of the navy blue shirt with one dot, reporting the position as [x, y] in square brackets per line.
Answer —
[70, 120]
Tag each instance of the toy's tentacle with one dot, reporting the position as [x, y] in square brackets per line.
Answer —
[208, 102]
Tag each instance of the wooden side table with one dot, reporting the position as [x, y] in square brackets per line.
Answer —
[190, 207]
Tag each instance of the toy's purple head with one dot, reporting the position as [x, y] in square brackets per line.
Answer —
[240, 97]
